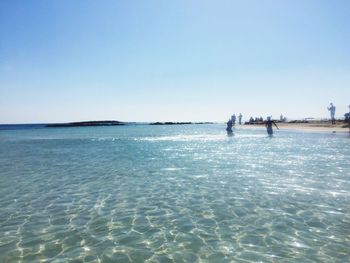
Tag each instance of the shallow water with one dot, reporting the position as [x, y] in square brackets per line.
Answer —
[173, 194]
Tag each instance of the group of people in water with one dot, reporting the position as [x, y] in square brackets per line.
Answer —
[232, 121]
[269, 122]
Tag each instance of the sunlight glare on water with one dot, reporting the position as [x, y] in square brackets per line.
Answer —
[173, 194]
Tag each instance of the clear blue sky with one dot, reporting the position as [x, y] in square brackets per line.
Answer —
[157, 60]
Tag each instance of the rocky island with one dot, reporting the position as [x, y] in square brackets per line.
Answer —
[85, 124]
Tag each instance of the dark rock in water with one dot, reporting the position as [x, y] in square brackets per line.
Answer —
[170, 123]
[178, 123]
[205, 122]
[157, 123]
[85, 124]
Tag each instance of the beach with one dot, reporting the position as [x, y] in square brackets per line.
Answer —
[310, 126]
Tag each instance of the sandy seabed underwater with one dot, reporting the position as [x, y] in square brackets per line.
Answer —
[183, 193]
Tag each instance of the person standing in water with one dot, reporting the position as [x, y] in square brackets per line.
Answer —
[240, 119]
[332, 112]
[233, 119]
[229, 128]
[347, 118]
[268, 125]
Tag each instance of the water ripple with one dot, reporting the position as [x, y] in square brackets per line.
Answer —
[176, 194]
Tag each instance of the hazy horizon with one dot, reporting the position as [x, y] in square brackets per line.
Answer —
[63, 61]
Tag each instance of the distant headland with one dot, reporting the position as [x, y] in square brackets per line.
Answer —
[86, 124]
[113, 123]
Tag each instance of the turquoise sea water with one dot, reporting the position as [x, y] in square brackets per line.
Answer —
[173, 194]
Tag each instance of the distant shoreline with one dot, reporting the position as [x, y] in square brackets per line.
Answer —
[178, 123]
[114, 123]
[298, 125]
[85, 124]
[308, 126]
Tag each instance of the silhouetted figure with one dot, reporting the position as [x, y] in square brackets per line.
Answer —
[332, 112]
[347, 118]
[282, 118]
[240, 119]
[268, 125]
[233, 119]
[229, 128]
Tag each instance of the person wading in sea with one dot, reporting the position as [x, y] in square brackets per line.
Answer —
[347, 118]
[240, 118]
[229, 128]
[268, 125]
